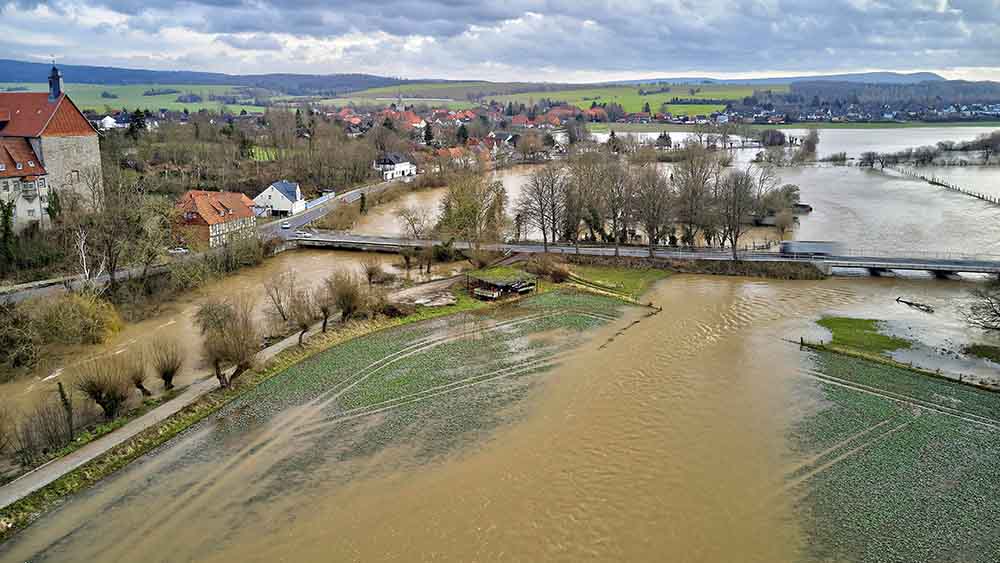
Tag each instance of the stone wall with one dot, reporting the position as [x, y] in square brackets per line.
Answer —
[69, 161]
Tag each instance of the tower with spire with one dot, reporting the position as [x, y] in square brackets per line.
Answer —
[55, 83]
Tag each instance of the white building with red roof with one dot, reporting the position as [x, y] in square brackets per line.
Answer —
[46, 145]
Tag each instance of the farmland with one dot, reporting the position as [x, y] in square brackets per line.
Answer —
[89, 96]
[897, 466]
[632, 101]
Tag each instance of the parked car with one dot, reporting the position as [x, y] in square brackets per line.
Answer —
[286, 225]
[178, 251]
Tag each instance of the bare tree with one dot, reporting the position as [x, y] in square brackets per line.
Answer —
[694, 175]
[325, 299]
[541, 201]
[231, 336]
[984, 313]
[103, 382]
[280, 289]
[737, 203]
[653, 204]
[372, 268]
[473, 208]
[302, 312]
[348, 294]
[574, 207]
[617, 198]
[167, 362]
[417, 221]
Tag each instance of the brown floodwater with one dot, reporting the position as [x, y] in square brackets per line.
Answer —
[667, 441]
[175, 321]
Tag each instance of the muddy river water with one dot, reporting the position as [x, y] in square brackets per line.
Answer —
[667, 441]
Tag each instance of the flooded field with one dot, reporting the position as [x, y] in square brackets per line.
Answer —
[176, 319]
[701, 432]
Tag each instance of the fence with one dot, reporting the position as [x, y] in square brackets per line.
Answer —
[995, 200]
[320, 200]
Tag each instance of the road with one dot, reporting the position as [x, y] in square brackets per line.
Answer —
[931, 262]
[267, 230]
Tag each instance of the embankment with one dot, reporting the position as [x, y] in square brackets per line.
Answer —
[772, 270]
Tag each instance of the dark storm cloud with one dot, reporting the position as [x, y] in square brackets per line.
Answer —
[583, 35]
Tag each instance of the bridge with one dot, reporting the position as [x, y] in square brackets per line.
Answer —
[939, 264]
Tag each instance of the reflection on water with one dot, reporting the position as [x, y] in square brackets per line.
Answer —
[667, 442]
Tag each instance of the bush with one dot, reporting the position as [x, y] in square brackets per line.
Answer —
[348, 296]
[42, 429]
[18, 338]
[74, 318]
[103, 381]
[395, 310]
[167, 362]
[482, 258]
[444, 252]
[6, 427]
[545, 265]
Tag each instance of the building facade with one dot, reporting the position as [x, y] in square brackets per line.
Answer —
[280, 199]
[23, 182]
[214, 219]
[64, 146]
[393, 165]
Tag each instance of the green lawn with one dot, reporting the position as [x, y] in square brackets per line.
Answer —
[633, 281]
[861, 335]
[88, 96]
[985, 351]
[632, 101]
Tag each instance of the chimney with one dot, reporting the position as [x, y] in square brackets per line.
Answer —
[55, 84]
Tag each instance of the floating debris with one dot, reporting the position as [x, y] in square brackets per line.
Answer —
[915, 305]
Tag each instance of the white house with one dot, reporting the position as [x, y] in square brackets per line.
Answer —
[280, 199]
[393, 165]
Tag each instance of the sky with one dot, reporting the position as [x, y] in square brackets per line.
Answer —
[505, 40]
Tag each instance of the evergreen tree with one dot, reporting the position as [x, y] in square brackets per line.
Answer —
[645, 107]
[136, 124]
[428, 134]
[462, 134]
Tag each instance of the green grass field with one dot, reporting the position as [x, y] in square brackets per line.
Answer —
[894, 466]
[88, 96]
[861, 334]
[632, 101]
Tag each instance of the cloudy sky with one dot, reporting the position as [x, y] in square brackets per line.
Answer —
[559, 40]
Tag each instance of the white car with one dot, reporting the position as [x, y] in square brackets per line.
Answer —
[286, 225]
[303, 234]
[178, 250]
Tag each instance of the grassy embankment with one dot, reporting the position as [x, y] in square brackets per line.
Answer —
[984, 351]
[88, 96]
[769, 270]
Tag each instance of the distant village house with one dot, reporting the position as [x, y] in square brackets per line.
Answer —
[280, 199]
[394, 165]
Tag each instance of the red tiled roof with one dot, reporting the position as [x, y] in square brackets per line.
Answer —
[14, 150]
[30, 114]
[216, 207]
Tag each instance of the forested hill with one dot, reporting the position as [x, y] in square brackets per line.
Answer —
[295, 84]
[856, 77]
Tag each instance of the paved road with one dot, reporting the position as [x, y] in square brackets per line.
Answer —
[933, 262]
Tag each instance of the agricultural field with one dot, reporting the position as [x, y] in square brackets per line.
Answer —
[632, 101]
[896, 466]
[88, 96]
[428, 385]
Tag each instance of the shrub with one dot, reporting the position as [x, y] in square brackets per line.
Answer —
[42, 429]
[135, 372]
[74, 318]
[482, 258]
[6, 427]
[167, 362]
[348, 296]
[103, 381]
[444, 252]
[18, 337]
[395, 310]
[371, 266]
[545, 265]
[231, 336]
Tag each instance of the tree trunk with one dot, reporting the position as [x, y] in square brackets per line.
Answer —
[223, 382]
[326, 317]
[301, 336]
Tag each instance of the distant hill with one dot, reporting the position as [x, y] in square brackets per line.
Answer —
[859, 77]
[294, 84]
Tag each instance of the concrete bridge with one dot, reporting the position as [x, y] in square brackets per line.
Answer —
[940, 264]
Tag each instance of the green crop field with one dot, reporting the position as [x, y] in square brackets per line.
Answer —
[896, 466]
[632, 101]
[88, 96]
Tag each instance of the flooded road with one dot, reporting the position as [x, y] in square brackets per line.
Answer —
[668, 438]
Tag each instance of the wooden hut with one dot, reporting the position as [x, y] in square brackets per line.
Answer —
[499, 282]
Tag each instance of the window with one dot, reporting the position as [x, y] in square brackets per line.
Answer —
[31, 213]
[19, 166]
[2, 167]
[31, 164]
[41, 182]
[75, 176]
[6, 185]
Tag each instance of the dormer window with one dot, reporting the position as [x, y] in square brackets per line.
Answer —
[2, 167]
[31, 164]
[19, 166]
